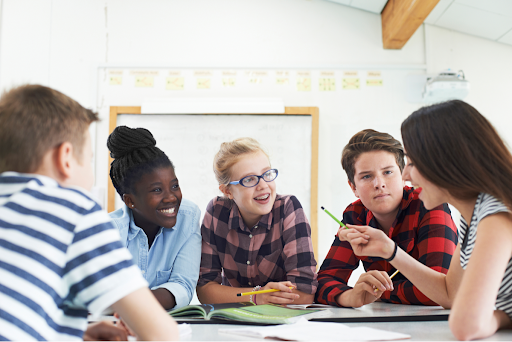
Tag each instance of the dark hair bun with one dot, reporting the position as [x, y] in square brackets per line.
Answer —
[125, 140]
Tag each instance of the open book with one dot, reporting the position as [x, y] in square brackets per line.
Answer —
[244, 312]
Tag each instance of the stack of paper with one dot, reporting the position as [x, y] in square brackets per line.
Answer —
[303, 330]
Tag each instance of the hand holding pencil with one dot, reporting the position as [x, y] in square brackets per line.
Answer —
[273, 292]
[358, 237]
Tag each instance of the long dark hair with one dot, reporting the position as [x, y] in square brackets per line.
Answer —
[453, 146]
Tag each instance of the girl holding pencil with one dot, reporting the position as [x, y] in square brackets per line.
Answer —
[455, 155]
[253, 238]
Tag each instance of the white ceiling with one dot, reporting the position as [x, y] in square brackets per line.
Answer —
[491, 19]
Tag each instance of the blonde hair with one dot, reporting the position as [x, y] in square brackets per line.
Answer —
[230, 153]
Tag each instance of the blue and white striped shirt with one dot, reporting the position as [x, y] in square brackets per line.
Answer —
[60, 257]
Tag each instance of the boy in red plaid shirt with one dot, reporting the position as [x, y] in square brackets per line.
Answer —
[374, 163]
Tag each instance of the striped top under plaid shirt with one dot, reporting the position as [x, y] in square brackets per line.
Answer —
[60, 257]
[429, 236]
[486, 205]
[277, 248]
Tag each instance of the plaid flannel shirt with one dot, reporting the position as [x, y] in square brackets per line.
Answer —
[429, 236]
[277, 248]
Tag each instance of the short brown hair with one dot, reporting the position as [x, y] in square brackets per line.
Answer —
[366, 141]
[33, 120]
[230, 153]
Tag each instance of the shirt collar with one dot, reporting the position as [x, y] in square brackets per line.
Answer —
[409, 194]
[133, 229]
[238, 221]
[44, 180]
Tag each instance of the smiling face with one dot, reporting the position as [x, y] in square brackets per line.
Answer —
[256, 201]
[378, 183]
[431, 195]
[156, 199]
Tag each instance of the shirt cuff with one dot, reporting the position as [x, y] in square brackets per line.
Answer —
[181, 295]
[331, 297]
[131, 281]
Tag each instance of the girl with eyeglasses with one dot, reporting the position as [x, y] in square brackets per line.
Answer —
[254, 238]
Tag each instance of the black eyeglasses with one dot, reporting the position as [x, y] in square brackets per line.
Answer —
[253, 180]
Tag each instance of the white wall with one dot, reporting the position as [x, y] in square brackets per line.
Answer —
[60, 43]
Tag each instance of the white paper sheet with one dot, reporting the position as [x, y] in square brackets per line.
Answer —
[303, 330]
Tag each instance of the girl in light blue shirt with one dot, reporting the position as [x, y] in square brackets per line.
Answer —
[158, 226]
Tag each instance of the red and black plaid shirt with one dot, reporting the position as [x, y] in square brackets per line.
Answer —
[277, 248]
[429, 236]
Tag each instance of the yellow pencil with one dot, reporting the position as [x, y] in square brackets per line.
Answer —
[394, 274]
[260, 291]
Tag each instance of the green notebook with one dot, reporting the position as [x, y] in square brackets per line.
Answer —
[243, 312]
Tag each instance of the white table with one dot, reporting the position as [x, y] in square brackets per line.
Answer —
[406, 319]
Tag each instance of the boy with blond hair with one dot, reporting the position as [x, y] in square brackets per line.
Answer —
[60, 256]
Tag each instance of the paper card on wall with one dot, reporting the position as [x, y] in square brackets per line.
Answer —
[374, 82]
[116, 80]
[327, 84]
[144, 81]
[350, 73]
[228, 81]
[203, 73]
[350, 83]
[304, 83]
[327, 74]
[175, 83]
[303, 73]
[256, 77]
[203, 83]
[255, 80]
[115, 77]
[282, 77]
[373, 73]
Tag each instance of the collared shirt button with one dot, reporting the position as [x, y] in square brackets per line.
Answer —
[250, 235]
[143, 272]
[250, 284]
[248, 262]
[256, 226]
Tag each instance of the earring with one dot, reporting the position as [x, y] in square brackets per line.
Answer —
[133, 205]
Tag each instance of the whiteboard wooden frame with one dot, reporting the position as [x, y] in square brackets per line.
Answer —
[311, 111]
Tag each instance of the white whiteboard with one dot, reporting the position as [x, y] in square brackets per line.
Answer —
[191, 141]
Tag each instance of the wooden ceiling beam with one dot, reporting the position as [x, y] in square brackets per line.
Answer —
[401, 18]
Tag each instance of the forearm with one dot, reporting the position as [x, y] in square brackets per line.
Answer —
[328, 291]
[142, 313]
[214, 293]
[305, 298]
[165, 298]
[345, 299]
[405, 292]
[430, 282]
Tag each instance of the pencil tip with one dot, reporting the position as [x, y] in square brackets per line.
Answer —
[238, 294]
[322, 208]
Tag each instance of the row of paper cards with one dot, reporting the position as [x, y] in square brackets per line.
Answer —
[205, 79]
